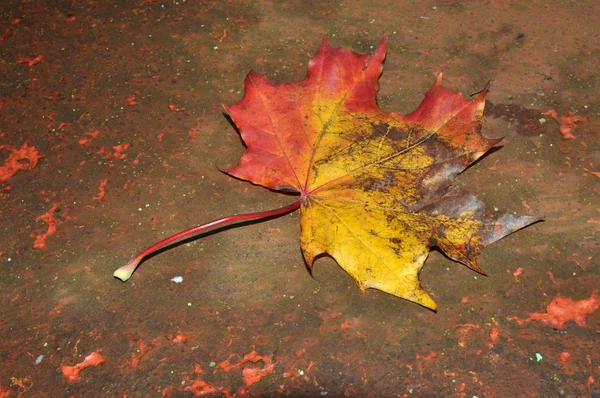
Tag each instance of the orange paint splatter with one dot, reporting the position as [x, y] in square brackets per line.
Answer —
[119, 149]
[564, 356]
[71, 373]
[61, 303]
[175, 109]
[85, 141]
[567, 123]
[48, 218]
[562, 310]
[518, 273]
[223, 36]
[300, 353]
[464, 300]
[135, 357]
[131, 100]
[494, 335]
[250, 375]
[101, 191]
[201, 388]
[4, 393]
[494, 166]
[23, 159]
[30, 61]
[179, 338]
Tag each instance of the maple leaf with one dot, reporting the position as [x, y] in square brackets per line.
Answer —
[375, 187]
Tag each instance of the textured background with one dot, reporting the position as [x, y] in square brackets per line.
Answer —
[123, 101]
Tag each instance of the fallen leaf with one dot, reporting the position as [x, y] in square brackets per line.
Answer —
[374, 186]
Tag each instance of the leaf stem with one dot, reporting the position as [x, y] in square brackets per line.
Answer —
[125, 272]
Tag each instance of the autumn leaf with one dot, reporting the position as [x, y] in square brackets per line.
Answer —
[375, 187]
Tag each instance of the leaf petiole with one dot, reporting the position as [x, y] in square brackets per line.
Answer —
[125, 272]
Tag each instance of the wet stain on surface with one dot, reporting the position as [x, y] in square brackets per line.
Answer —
[111, 126]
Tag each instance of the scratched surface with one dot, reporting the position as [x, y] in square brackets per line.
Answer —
[112, 134]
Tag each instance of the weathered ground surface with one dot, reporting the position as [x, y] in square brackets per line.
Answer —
[122, 102]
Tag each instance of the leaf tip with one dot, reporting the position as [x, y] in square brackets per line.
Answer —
[426, 301]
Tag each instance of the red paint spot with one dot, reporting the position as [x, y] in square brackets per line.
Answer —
[131, 100]
[179, 338]
[135, 357]
[71, 373]
[175, 109]
[494, 166]
[464, 300]
[518, 273]
[101, 191]
[300, 353]
[201, 388]
[494, 335]
[197, 368]
[194, 131]
[4, 393]
[23, 159]
[48, 218]
[160, 137]
[223, 36]
[564, 356]
[345, 325]
[119, 149]
[250, 375]
[6, 33]
[30, 61]
[567, 123]
[562, 310]
[524, 203]
[58, 309]
[85, 141]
